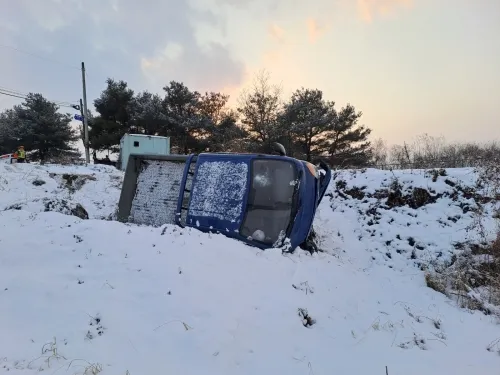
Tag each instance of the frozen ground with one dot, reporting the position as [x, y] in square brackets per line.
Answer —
[33, 188]
[95, 296]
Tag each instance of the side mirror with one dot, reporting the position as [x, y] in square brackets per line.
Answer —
[279, 148]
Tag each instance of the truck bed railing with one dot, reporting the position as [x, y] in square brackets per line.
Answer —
[185, 191]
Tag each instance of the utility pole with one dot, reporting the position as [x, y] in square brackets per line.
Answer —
[84, 128]
[84, 114]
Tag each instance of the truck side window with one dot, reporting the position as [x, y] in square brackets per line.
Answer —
[136, 143]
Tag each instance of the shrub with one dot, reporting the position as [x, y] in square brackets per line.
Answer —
[473, 276]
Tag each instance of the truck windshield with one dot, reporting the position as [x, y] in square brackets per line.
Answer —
[271, 200]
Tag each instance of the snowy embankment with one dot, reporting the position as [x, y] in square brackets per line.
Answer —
[96, 296]
[407, 218]
[64, 189]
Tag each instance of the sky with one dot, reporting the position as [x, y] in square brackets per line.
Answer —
[410, 66]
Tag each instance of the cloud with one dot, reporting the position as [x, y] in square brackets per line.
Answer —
[180, 63]
[368, 9]
[145, 43]
[314, 30]
[242, 4]
[277, 32]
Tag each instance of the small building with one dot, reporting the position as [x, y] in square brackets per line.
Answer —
[141, 144]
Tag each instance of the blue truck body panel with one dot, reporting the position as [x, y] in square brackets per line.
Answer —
[219, 192]
[261, 200]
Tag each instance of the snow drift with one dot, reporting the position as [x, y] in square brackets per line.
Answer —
[92, 296]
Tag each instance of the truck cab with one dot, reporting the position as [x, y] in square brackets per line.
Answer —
[262, 200]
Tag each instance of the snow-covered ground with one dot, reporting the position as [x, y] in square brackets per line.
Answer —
[97, 296]
[34, 187]
[393, 229]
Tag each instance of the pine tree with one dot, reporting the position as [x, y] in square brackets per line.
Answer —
[12, 130]
[306, 119]
[149, 117]
[116, 109]
[225, 134]
[186, 125]
[43, 129]
[346, 143]
[314, 128]
[104, 135]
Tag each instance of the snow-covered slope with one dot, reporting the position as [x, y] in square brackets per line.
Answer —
[103, 297]
[406, 218]
[39, 188]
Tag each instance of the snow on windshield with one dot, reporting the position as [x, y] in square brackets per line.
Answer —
[219, 190]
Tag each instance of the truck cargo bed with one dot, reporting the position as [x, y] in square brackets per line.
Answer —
[157, 193]
[151, 189]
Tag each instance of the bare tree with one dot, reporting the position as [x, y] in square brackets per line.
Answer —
[259, 107]
[380, 152]
[400, 156]
[426, 151]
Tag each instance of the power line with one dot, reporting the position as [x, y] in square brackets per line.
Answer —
[20, 95]
[60, 104]
[11, 91]
[38, 56]
[23, 94]
[15, 96]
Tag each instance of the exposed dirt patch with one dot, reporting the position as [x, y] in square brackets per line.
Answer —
[414, 197]
[72, 182]
[62, 206]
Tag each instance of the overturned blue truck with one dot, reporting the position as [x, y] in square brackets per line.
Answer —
[263, 200]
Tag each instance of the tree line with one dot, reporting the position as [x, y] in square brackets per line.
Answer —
[426, 151]
[308, 125]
